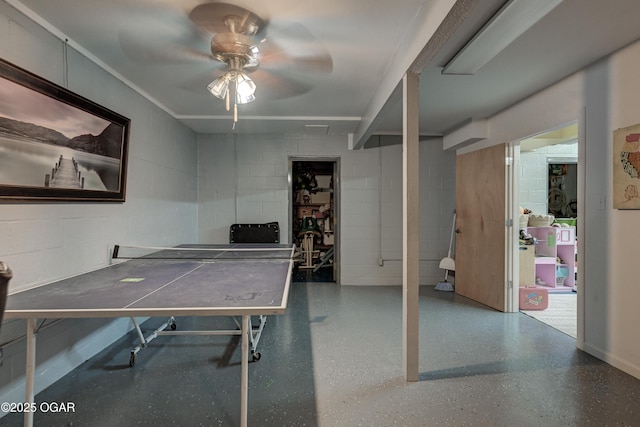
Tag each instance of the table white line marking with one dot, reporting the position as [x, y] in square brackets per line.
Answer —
[163, 286]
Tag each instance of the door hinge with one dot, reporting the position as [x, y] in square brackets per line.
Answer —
[509, 284]
[508, 223]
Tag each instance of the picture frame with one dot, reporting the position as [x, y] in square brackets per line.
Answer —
[626, 167]
[57, 146]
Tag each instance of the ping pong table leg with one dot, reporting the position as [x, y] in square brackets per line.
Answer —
[244, 387]
[170, 323]
[30, 370]
[254, 337]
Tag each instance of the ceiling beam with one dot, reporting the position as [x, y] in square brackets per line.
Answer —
[472, 132]
[435, 23]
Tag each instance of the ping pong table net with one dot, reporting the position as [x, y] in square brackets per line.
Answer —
[254, 251]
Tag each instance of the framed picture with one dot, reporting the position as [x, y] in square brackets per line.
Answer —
[626, 168]
[55, 145]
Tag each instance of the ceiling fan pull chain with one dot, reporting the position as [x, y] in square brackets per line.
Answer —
[235, 101]
[235, 115]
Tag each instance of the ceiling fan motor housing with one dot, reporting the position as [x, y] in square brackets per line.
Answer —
[228, 46]
[248, 24]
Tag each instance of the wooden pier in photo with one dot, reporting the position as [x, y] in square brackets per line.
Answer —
[65, 174]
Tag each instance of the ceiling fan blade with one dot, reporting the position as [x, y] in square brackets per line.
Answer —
[272, 57]
[294, 46]
[211, 17]
[173, 39]
[142, 50]
[273, 86]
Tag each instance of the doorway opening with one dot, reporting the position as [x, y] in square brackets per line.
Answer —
[314, 219]
[548, 200]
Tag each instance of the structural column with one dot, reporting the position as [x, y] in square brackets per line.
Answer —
[30, 375]
[410, 226]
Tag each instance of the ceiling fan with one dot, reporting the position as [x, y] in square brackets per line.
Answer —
[244, 43]
[233, 44]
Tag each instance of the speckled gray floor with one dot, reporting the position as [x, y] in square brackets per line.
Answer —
[335, 360]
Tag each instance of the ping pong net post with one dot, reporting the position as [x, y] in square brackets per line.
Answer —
[204, 252]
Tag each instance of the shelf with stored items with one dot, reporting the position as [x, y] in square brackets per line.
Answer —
[313, 217]
[555, 257]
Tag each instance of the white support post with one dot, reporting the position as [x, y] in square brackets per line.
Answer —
[410, 226]
[30, 374]
[244, 386]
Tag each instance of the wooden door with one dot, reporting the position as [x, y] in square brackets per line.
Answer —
[480, 226]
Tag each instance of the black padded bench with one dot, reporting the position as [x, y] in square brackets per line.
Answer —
[255, 233]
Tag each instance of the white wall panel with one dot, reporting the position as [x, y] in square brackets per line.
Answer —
[370, 198]
[47, 241]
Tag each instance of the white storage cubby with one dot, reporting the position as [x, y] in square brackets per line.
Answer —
[555, 256]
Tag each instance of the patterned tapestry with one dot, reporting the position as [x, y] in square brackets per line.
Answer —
[626, 168]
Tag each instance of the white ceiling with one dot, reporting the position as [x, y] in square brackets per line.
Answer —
[158, 50]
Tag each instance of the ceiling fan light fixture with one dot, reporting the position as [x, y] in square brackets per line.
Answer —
[242, 85]
[220, 86]
[244, 99]
[245, 88]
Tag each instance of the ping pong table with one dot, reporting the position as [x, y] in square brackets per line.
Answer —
[240, 280]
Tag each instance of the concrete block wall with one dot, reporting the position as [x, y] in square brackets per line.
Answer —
[244, 179]
[534, 174]
[43, 242]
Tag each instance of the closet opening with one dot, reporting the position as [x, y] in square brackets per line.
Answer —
[314, 218]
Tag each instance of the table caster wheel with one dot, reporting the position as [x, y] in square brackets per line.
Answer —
[132, 360]
[173, 326]
[256, 356]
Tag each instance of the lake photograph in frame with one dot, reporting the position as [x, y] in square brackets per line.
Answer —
[56, 145]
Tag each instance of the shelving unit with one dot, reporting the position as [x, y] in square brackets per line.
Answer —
[555, 257]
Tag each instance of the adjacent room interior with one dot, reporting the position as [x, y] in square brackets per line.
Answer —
[548, 196]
